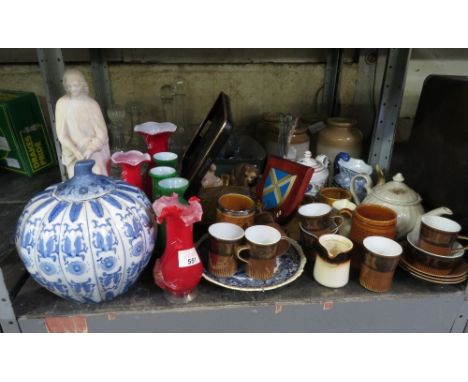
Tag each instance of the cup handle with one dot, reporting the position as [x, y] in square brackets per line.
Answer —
[455, 250]
[460, 237]
[294, 243]
[241, 248]
[201, 240]
[346, 212]
[338, 220]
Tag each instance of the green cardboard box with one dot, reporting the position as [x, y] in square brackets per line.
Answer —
[25, 143]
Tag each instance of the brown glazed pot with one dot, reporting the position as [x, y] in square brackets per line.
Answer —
[237, 209]
[370, 220]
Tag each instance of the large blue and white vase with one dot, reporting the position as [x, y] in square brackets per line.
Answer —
[87, 239]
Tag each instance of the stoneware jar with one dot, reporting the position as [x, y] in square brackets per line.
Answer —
[397, 196]
[320, 174]
[86, 239]
[340, 134]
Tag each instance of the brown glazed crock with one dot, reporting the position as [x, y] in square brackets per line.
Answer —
[370, 220]
[237, 209]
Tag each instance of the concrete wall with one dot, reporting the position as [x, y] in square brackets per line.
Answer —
[253, 88]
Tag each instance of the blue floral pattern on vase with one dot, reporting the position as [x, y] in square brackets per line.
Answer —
[87, 239]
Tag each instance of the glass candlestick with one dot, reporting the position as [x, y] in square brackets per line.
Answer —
[119, 135]
[136, 141]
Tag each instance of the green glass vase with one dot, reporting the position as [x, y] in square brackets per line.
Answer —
[157, 174]
[175, 184]
[166, 158]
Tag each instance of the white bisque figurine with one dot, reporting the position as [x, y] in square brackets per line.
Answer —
[81, 128]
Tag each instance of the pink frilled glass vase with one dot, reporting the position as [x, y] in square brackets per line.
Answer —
[131, 163]
[156, 135]
[179, 270]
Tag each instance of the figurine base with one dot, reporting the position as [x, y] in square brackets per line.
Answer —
[181, 298]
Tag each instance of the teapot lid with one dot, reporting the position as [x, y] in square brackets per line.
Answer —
[397, 192]
[308, 160]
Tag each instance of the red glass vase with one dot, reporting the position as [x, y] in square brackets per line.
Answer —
[179, 270]
[156, 135]
[131, 162]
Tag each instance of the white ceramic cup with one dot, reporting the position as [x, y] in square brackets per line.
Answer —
[314, 209]
[382, 246]
[226, 231]
[262, 235]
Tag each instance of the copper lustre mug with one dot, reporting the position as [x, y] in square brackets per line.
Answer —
[381, 257]
[262, 242]
[224, 239]
[237, 209]
[438, 234]
[318, 216]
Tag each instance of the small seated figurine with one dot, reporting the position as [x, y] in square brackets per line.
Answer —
[210, 179]
[81, 128]
[244, 174]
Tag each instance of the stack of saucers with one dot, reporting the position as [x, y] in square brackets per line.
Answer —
[431, 267]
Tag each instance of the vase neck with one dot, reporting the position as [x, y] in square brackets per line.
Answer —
[156, 143]
[132, 174]
[178, 232]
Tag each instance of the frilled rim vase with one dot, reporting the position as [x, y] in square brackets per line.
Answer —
[131, 163]
[179, 270]
[156, 135]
